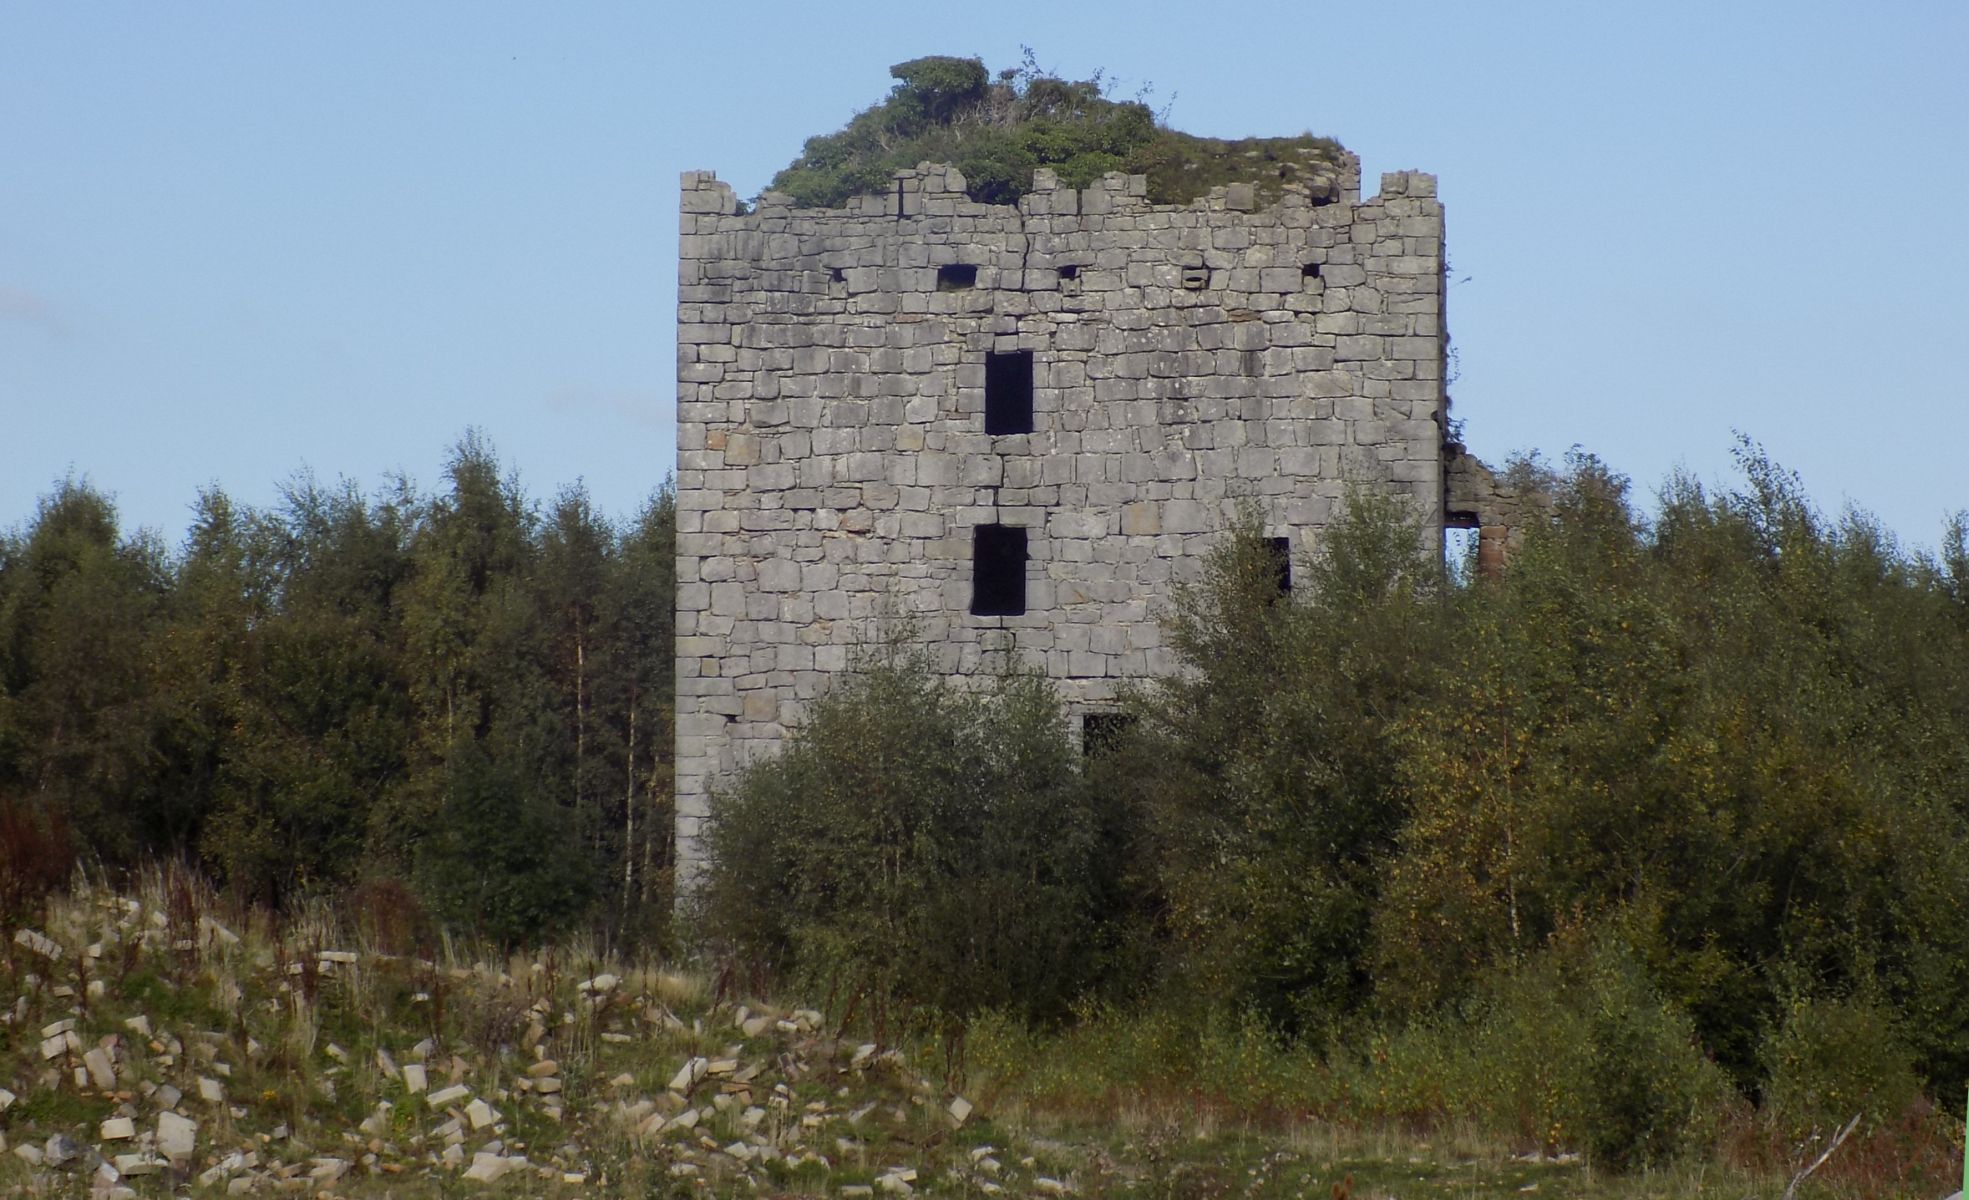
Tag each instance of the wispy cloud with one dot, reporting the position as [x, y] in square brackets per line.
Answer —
[22, 307]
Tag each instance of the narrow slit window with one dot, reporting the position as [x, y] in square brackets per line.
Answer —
[998, 571]
[955, 277]
[1008, 392]
[1101, 732]
[1281, 564]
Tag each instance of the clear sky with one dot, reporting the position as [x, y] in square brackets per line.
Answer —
[239, 240]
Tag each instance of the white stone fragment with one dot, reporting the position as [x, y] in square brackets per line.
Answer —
[177, 1137]
[490, 1168]
[688, 1075]
[39, 943]
[102, 1072]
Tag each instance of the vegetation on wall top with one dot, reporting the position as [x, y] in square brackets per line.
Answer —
[996, 131]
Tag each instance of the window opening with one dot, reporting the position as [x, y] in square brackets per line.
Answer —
[1070, 271]
[955, 277]
[998, 571]
[1309, 272]
[1008, 392]
[1281, 563]
[1196, 278]
[837, 275]
[1101, 732]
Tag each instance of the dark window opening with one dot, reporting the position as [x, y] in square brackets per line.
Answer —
[1070, 271]
[1309, 272]
[998, 571]
[1008, 392]
[955, 277]
[1101, 732]
[837, 275]
[1281, 548]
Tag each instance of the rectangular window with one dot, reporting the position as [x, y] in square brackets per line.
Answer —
[998, 571]
[1008, 392]
[1282, 563]
[1103, 731]
[956, 277]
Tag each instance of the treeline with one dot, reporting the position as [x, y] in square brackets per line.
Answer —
[462, 691]
[1670, 819]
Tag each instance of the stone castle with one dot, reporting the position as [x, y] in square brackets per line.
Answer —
[1017, 427]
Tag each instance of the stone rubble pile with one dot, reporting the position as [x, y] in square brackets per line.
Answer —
[124, 1102]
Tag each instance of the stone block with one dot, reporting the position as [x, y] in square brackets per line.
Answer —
[1141, 519]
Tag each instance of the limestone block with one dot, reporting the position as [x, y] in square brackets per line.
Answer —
[177, 1137]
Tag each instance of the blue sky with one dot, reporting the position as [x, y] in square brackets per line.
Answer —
[240, 240]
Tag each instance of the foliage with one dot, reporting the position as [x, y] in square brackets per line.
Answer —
[917, 843]
[445, 688]
[1831, 1058]
[1266, 768]
[946, 109]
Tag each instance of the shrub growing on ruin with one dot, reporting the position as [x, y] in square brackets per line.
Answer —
[946, 109]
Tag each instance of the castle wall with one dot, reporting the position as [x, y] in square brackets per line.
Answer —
[833, 463]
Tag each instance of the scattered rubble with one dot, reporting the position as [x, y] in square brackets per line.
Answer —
[600, 1082]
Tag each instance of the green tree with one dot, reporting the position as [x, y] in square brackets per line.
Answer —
[1270, 763]
[78, 713]
[927, 849]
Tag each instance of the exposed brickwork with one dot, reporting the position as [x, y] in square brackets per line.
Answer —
[833, 463]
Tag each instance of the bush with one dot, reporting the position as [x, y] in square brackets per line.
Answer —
[927, 849]
[1831, 1058]
[945, 109]
[1577, 1048]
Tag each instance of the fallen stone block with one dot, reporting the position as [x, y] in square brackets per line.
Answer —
[131, 1165]
[117, 1129]
[688, 1075]
[39, 943]
[102, 1072]
[413, 1078]
[490, 1168]
[177, 1137]
[446, 1095]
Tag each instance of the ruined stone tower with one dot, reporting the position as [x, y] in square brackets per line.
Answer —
[1019, 426]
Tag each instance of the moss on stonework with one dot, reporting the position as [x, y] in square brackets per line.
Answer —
[996, 132]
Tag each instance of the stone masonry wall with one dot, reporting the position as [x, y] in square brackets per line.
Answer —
[833, 462]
